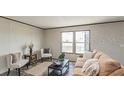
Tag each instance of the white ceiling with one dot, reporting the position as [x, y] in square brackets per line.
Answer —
[61, 21]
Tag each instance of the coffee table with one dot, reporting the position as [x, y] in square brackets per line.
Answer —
[59, 70]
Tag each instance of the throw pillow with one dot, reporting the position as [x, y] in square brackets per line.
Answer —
[91, 67]
[97, 55]
[94, 53]
[87, 55]
[46, 50]
[80, 62]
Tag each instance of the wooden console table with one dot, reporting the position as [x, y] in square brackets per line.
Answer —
[32, 58]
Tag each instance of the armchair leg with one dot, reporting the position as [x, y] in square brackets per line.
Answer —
[27, 66]
[42, 59]
[19, 71]
[51, 58]
[8, 72]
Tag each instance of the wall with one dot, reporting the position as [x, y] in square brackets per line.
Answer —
[108, 38]
[14, 35]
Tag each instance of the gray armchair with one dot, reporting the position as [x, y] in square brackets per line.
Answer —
[46, 53]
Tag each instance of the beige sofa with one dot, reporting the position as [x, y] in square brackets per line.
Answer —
[108, 66]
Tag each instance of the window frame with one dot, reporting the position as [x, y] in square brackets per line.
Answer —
[74, 41]
[82, 42]
[67, 42]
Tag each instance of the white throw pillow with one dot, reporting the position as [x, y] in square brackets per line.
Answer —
[87, 55]
[79, 59]
[91, 67]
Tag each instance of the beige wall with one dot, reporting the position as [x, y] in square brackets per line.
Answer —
[105, 37]
[13, 37]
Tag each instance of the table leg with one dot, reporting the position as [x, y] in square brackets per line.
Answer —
[19, 71]
[8, 72]
[48, 71]
[27, 65]
[68, 65]
[61, 72]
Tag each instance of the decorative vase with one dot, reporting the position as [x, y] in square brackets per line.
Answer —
[31, 48]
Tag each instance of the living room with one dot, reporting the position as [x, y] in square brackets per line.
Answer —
[74, 36]
[51, 46]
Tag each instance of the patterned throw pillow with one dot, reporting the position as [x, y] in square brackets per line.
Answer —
[91, 67]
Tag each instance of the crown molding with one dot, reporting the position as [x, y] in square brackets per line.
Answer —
[62, 26]
[21, 22]
[85, 24]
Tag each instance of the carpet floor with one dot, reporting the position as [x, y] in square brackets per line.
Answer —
[33, 70]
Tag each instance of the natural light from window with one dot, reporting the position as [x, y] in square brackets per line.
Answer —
[75, 42]
[67, 42]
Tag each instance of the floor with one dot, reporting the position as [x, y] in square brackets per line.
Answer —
[15, 73]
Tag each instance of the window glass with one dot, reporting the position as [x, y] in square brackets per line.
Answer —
[75, 42]
[67, 37]
[67, 47]
[80, 36]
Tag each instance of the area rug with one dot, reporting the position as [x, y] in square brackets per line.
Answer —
[39, 70]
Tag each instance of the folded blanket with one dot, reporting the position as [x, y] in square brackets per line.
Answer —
[91, 67]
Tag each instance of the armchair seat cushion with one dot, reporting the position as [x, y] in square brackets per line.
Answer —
[47, 55]
[19, 64]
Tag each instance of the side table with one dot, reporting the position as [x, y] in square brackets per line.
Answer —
[32, 58]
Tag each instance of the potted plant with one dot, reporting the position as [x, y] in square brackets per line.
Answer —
[61, 57]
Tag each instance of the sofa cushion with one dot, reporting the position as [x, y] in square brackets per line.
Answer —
[119, 72]
[107, 65]
[78, 72]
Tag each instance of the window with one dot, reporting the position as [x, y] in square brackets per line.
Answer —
[82, 41]
[67, 42]
[75, 42]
